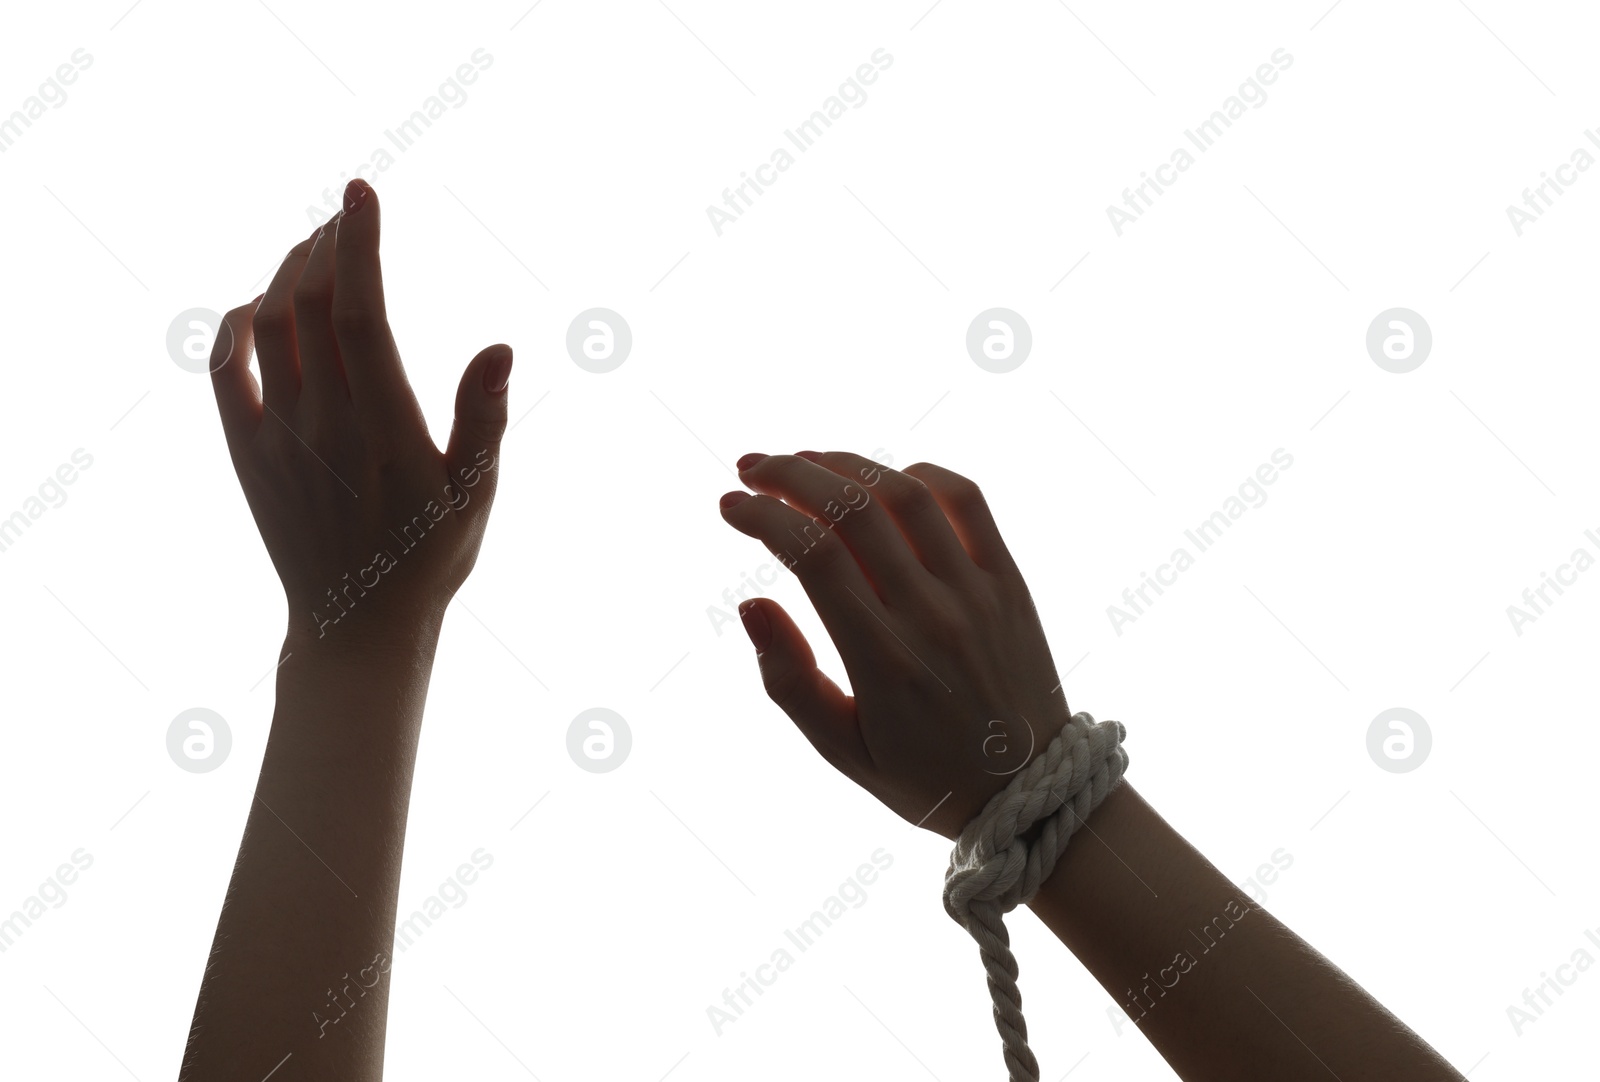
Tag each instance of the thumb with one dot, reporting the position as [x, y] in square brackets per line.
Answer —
[825, 715]
[480, 419]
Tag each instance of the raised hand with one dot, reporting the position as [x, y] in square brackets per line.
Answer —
[371, 527]
[954, 686]
[954, 691]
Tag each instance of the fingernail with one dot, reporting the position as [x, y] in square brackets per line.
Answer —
[810, 456]
[355, 195]
[755, 625]
[497, 373]
[750, 460]
[729, 499]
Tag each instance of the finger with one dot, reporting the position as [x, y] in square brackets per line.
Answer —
[322, 385]
[849, 509]
[273, 328]
[969, 515]
[823, 713]
[360, 316]
[912, 506]
[480, 420]
[238, 396]
[828, 572]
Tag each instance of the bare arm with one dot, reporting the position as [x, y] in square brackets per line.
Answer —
[941, 643]
[1219, 985]
[372, 529]
[299, 968]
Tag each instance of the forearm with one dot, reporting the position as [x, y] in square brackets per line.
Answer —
[299, 966]
[1220, 987]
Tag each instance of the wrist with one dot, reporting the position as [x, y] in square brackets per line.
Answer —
[382, 638]
[379, 677]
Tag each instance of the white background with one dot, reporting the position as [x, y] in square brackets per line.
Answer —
[1229, 321]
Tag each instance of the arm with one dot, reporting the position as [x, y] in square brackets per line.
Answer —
[941, 644]
[1221, 987]
[372, 530]
[300, 963]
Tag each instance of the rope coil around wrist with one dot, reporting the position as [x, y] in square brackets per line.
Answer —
[993, 869]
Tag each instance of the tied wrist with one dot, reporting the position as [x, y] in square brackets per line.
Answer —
[1000, 860]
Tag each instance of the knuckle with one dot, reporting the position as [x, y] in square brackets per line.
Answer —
[782, 683]
[965, 493]
[272, 324]
[479, 431]
[811, 556]
[908, 493]
[826, 556]
[850, 506]
[951, 487]
[313, 296]
[357, 324]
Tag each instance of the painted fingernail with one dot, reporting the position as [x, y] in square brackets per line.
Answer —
[355, 195]
[729, 499]
[756, 625]
[750, 459]
[497, 373]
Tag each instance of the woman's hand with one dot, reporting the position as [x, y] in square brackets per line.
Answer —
[372, 530]
[371, 527]
[954, 686]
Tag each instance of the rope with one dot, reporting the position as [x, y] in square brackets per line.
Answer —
[993, 870]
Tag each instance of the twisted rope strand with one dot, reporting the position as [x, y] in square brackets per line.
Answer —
[992, 870]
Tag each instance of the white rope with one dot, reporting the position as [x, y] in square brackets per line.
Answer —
[993, 870]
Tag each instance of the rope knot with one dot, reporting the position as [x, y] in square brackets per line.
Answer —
[993, 869]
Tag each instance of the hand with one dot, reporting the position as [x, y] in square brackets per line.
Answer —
[954, 686]
[372, 529]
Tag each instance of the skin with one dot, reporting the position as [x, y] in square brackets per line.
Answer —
[940, 640]
[335, 461]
